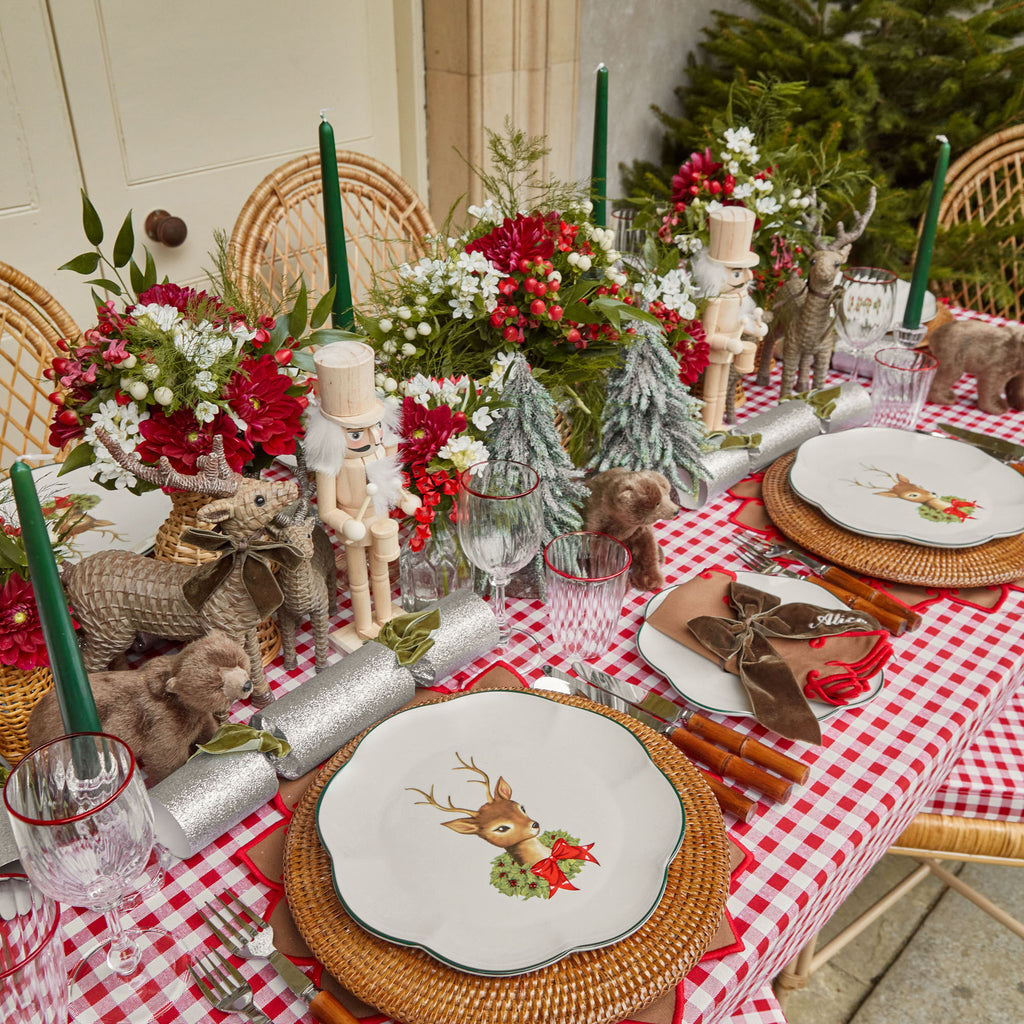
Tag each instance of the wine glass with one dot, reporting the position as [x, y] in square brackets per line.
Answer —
[83, 824]
[866, 308]
[500, 520]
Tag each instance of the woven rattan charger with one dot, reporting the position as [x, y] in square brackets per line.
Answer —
[591, 987]
[998, 561]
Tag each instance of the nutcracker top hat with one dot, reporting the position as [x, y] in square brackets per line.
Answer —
[344, 371]
[732, 228]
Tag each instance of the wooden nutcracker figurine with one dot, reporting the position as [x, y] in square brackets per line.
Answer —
[724, 273]
[358, 479]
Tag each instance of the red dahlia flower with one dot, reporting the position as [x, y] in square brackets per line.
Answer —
[172, 295]
[182, 439]
[21, 635]
[257, 393]
[524, 238]
[424, 431]
[692, 353]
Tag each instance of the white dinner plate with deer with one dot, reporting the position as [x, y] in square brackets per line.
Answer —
[500, 831]
[900, 485]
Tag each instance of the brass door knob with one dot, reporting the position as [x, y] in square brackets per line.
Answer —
[162, 227]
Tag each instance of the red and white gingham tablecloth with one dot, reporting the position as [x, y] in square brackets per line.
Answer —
[880, 764]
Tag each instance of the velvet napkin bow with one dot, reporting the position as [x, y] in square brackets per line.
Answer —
[409, 636]
[255, 557]
[775, 694]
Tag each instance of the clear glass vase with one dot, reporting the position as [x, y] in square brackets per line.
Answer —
[437, 569]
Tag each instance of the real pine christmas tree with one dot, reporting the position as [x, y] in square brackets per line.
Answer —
[878, 82]
[650, 419]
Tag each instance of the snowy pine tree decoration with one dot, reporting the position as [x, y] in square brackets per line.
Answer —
[650, 419]
[525, 431]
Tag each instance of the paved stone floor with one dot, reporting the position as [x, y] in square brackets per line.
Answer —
[933, 958]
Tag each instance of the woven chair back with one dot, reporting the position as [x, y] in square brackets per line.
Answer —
[279, 235]
[987, 184]
[31, 324]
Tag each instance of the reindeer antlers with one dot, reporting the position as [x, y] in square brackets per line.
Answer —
[431, 801]
[215, 477]
[860, 222]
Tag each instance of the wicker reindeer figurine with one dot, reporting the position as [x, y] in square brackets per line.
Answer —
[116, 594]
[309, 587]
[804, 309]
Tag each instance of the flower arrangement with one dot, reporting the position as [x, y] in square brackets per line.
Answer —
[545, 282]
[21, 634]
[443, 428]
[172, 369]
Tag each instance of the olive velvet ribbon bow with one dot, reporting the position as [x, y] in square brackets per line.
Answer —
[409, 635]
[255, 557]
[742, 644]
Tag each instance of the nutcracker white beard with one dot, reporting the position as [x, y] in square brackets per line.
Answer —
[387, 475]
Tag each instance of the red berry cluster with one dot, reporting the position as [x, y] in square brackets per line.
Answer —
[430, 487]
[540, 285]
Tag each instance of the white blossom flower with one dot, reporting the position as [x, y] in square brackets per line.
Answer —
[122, 423]
[206, 412]
[482, 418]
[423, 329]
[408, 350]
[409, 334]
[163, 317]
[386, 325]
[449, 392]
[138, 389]
[463, 452]
[163, 396]
[743, 190]
[204, 381]
[487, 214]
[419, 385]
[766, 205]
[150, 371]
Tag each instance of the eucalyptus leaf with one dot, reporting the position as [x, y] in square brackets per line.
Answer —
[79, 456]
[303, 361]
[124, 244]
[91, 222]
[299, 314]
[322, 310]
[86, 263]
[329, 335]
[107, 285]
[149, 278]
[11, 555]
[136, 276]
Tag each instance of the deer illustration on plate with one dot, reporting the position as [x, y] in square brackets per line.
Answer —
[938, 509]
[531, 862]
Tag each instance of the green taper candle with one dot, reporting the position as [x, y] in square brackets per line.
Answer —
[923, 258]
[74, 695]
[334, 229]
[599, 160]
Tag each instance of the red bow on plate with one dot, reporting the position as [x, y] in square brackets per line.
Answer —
[549, 870]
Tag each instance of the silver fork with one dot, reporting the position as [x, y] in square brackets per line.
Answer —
[249, 935]
[225, 988]
[761, 563]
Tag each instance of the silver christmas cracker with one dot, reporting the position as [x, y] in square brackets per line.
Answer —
[468, 629]
[207, 796]
[783, 428]
[334, 705]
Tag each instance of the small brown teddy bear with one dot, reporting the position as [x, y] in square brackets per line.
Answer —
[164, 706]
[625, 504]
[994, 355]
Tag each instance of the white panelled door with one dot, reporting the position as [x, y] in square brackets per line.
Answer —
[182, 107]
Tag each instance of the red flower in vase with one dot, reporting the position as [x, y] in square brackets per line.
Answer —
[183, 439]
[258, 393]
[693, 176]
[172, 295]
[424, 431]
[515, 240]
[692, 353]
[21, 635]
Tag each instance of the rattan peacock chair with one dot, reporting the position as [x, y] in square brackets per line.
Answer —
[31, 324]
[987, 184]
[279, 235]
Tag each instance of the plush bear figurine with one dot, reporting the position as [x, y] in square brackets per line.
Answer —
[995, 355]
[625, 504]
[164, 706]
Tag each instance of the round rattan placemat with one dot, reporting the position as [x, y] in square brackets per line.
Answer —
[998, 561]
[592, 987]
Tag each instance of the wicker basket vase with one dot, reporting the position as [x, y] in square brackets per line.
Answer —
[20, 691]
[170, 548]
